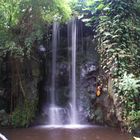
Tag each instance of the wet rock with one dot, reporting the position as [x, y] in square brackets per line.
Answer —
[99, 115]
[1, 92]
[4, 118]
[104, 111]
[88, 69]
[63, 76]
[136, 132]
[3, 103]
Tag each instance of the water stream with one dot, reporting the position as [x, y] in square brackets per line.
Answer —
[54, 111]
[58, 114]
[74, 117]
[54, 54]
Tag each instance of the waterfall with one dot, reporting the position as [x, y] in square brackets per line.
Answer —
[73, 98]
[72, 39]
[54, 54]
[61, 115]
[54, 115]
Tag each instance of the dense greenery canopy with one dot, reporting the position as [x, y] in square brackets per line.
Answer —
[22, 22]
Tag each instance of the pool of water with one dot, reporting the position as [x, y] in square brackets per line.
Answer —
[66, 133]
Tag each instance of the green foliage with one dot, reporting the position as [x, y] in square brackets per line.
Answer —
[134, 119]
[4, 118]
[9, 12]
[129, 84]
[58, 9]
[129, 91]
[117, 35]
[116, 27]
[23, 115]
[23, 22]
[22, 26]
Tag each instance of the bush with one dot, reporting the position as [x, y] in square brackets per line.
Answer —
[23, 116]
[134, 119]
[129, 93]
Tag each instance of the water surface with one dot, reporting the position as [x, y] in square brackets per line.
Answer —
[67, 133]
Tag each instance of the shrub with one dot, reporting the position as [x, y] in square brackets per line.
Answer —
[129, 93]
[23, 116]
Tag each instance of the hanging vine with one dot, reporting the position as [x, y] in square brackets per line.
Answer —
[117, 32]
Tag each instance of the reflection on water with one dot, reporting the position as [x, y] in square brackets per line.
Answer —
[67, 133]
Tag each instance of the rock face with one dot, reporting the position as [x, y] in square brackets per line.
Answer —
[105, 109]
[4, 118]
[88, 75]
[87, 88]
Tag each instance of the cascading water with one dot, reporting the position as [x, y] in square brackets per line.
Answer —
[72, 39]
[62, 115]
[54, 111]
[73, 94]
[54, 53]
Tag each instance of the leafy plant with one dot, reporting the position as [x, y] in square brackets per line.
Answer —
[134, 119]
[116, 31]
[25, 20]
[129, 84]
[129, 92]
[23, 115]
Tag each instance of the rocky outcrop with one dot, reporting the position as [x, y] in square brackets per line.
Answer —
[4, 118]
[105, 109]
